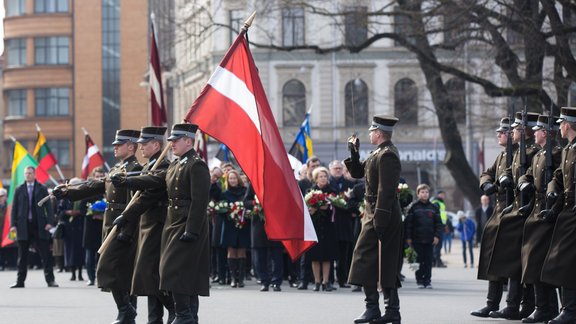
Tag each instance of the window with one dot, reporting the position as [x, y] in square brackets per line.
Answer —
[403, 27]
[457, 93]
[50, 6]
[61, 150]
[293, 103]
[356, 103]
[17, 103]
[512, 35]
[356, 24]
[51, 50]
[572, 95]
[236, 23]
[52, 101]
[406, 102]
[15, 7]
[455, 25]
[293, 26]
[16, 52]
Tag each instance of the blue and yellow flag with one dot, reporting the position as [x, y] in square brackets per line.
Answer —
[302, 147]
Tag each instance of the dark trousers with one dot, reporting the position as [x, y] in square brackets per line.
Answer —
[42, 246]
[468, 245]
[269, 265]
[91, 259]
[305, 269]
[437, 253]
[424, 258]
[344, 260]
[222, 259]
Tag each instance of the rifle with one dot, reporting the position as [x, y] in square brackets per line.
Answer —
[548, 168]
[523, 163]
[509, 153]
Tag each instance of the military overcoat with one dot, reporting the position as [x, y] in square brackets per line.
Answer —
[382, 215]
[506, 259]
[116, 264]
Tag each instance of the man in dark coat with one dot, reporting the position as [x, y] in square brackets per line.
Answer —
[483, 213]
[116, 264]
[343, 223]
[149, 211]
[558, 267]
[379, 244]
[490, 185]
[537, 231]
[32, 224]
[506, 256]
[185, 249]
[92, 238]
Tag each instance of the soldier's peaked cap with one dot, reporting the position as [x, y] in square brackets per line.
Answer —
[151, 132]
[126, 135]
[179, 130]
[504, 125]
[542, 123]
[531, 119]
[383, 122]
[567, 114]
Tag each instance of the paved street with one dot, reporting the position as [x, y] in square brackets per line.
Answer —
[455, 293]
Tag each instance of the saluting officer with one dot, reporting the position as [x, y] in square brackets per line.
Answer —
[506, 256]
[538, 232]
[149, 211]
[116, 264]
[490, 185]
[558, 267]
[381, 224]
[185, 250]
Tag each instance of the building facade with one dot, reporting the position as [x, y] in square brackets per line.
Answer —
[73, 65]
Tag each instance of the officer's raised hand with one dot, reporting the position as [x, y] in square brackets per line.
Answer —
[188, 237]
[354, 147]
[119, 179]
[489, 188]
[120, 221]
[60, 191]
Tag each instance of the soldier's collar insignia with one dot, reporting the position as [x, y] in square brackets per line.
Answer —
[376, 150]
[151, 162]
[184, 160]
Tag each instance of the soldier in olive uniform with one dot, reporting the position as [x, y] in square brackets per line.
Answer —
[558, 267]
[538, 232]
[490, 185]
[116, 264]
[149, 210]
[185, 249]
[506, 256]
[378, 253]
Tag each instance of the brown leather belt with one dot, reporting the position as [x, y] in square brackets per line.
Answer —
[115, 206]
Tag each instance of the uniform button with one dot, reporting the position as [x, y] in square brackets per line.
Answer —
[113, 191]
[176, 188]
[175, 207]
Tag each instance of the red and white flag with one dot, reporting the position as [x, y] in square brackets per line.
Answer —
[233, 109]
[92, 159]
[201, 145]
[156, 95]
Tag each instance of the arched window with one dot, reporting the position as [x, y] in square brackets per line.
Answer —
[406, 102]
[457, 92]
[293, 103]
[356, 103]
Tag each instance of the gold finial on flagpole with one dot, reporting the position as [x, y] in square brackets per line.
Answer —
[248, 21]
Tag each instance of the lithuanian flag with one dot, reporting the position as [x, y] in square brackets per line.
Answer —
[22, 160]
[45, 158]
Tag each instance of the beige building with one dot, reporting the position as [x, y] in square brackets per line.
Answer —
[71, 65]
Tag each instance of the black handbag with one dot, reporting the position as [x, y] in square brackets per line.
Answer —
[58, 232]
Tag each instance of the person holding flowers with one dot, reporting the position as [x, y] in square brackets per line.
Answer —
[235, 228]
[325, 251]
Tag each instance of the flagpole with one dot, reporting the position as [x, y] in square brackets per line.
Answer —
[56, 165]
[105, 163]
[51, 178]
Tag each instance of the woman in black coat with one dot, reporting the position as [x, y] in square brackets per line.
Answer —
[235, 239]
[325, 251]
[74, 253]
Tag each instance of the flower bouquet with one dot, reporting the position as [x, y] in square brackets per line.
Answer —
[210, 211]
[316, 199]
[257, 209]
[405, 196]
[96, 209]
[411, 258]
[361, 208]
[237, 214]
[338, 201]
[222, 207]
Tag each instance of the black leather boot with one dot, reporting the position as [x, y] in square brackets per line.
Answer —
[194, 306]
[126, 312]
[553, 301]
[527, 303]
[372, 311]
[568, 313]
[511, 311]
[392, 303]
[80, 277]
[241, 272]
[155, 310]
[167, 301]
[183, 310]
[233, 266]
[492, 300]
[543, 311]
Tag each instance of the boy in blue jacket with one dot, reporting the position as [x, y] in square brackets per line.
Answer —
[467, 228]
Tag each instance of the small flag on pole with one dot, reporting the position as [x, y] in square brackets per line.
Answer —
[93, 157]
[44, 156]
[156, 94]
[302, 147]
